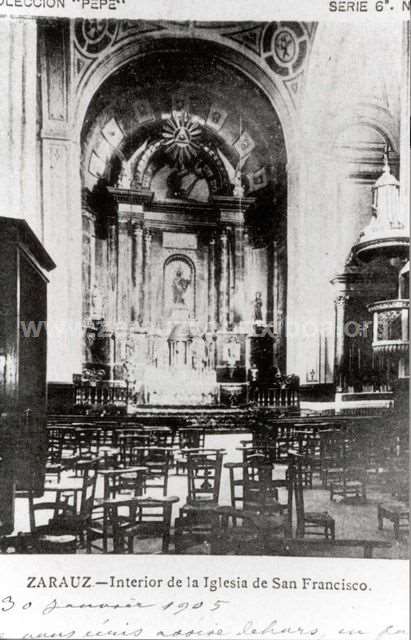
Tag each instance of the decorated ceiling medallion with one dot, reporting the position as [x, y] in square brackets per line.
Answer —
[180, 137]
[94, 35]
[285, 47]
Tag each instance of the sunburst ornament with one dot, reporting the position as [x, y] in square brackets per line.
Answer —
[180, 137]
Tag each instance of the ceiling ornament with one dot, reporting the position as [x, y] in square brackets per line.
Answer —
[285, 47]
[180, 138]
[94, 35]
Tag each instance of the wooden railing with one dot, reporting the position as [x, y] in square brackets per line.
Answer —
[105, 395]
[268, 396]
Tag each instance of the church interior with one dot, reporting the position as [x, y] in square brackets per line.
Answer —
[204, 281]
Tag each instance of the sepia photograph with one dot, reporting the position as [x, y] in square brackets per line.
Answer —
[204, 290]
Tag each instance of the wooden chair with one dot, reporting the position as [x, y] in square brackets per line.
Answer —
[54, 464]
[160, 436]
[158, 461]
[318, 523]
[76, 522]
[196, 517]
[87, 442]
[129, 444]
[138, 519]
[14, 543]
[396, 512]
[239, 532]
[396, 508]
[234, 533]
[118, 483]
[332, 443]
[188, 438]
[344, 467]
[49, 537]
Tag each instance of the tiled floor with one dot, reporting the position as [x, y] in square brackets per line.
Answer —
[358, 521]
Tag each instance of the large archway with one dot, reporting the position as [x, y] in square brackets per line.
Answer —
[182, 153]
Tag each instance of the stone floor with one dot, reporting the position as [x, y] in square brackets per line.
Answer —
[357, 521]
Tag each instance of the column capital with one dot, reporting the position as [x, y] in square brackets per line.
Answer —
[341, 299]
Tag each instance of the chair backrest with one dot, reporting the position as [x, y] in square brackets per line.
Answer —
[204, 475]
[129, 441]
[140, 518]
[69, 439]
[129, 482]
[258, 489]
[160, 437]
[295, 476]
[88, 490]
[158, 463]
[54, 444]
[49, 510]
[191, 437]
[267, 452]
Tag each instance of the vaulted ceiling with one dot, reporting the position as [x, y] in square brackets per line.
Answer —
[183, 112]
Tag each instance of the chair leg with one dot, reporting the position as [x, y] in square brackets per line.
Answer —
[396, 523]
[166, 542]
[380, 519]
[177, 536]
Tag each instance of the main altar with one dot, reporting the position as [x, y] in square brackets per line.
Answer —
[180, 305]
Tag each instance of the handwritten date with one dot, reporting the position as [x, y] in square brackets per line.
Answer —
[8, 603]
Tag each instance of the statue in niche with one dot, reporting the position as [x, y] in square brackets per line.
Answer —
[258, 307]
[180, 286]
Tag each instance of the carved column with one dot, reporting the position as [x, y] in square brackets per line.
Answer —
[112, 273]
[88, 262]
[247, 314]
[340, 308]
[211, 286]
[124, 271]
[147, 277]
[275, 285]
[223, 282]
[231, 280]
[239, 273]
[276, 295]
[138, 269]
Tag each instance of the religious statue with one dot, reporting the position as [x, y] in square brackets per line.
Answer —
[180, 285]
[238, 190]
[124, 178]
[258, 307]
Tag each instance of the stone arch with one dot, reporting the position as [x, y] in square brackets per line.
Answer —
[228, 53]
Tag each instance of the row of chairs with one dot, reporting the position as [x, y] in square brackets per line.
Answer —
[332, 454]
